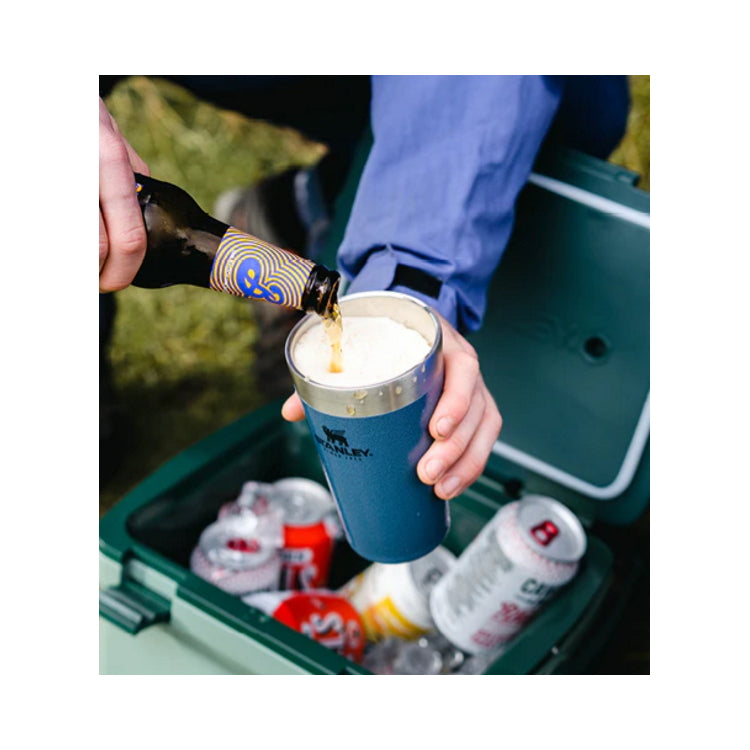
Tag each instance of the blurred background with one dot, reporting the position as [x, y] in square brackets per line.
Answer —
[182, 357]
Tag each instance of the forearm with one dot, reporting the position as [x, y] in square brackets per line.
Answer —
[449, 158]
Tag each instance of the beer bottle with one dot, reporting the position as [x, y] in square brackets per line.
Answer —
[187, 246]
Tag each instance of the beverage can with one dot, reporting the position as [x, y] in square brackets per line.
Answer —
[251, 493]
[529, 550]
[239, 554]
[309, 522]
[319, 614]
[311, 528]
[393, 599]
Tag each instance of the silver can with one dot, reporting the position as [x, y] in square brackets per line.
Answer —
[253, 495]
[239, 555]
[308, 522]
[529, 550]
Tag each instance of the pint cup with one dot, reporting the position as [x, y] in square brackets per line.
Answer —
[370, 437]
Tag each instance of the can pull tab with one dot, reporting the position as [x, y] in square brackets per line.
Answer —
[545, 532]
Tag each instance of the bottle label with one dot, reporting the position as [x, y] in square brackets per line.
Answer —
[247, 267]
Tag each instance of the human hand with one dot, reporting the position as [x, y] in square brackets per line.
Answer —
[465, 424]
[122, 235]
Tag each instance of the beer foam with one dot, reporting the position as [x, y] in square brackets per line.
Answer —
[374, 349]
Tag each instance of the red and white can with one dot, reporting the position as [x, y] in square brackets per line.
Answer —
[311, 528]
[529, 550]
[238, 555]
[321, 615]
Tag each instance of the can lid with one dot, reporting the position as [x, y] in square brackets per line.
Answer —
[302, 501]
[550, 529]
[253, 496]
[237, 542]
[253, 491]
[428, 570]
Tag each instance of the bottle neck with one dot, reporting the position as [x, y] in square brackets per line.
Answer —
[321, 292]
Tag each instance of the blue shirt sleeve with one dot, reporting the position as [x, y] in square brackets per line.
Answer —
[449, 157]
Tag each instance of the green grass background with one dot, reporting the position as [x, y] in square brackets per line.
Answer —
[182, 357]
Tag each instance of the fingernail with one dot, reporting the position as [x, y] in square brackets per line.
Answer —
[445, 426]
[434, 469]
[449, 486]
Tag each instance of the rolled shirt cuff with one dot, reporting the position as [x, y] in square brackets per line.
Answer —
[379, 272]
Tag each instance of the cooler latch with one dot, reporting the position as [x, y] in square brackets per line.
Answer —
[132, 606]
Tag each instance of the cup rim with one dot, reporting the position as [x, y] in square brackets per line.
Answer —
[400, 389]
[309, 320]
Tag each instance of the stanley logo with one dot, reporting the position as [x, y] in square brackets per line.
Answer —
[335, 442]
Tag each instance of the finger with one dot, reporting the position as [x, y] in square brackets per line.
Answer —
[471, 464]
[443, 454]
[122, 216]
[103, 242]
[292, 410]
[136, 163]
[461, 375]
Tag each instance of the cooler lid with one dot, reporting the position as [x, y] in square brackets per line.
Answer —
[565, 343]
[565, 347]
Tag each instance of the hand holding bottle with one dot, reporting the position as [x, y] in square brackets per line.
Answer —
[122, 235]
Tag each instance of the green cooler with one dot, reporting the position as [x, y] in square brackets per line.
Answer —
[565, 351]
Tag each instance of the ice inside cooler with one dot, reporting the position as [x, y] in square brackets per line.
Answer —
[268, 449]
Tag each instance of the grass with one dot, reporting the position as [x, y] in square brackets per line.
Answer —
[182, 357]
[634, 151]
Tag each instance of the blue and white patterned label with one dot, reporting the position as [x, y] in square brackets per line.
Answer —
[246, 267]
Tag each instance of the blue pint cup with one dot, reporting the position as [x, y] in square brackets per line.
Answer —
[370, 437]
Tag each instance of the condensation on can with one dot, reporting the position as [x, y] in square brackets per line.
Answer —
[393, 599]
[251, 494]
[231, 555]
[303, 501]
[309, 521]
[529, 550]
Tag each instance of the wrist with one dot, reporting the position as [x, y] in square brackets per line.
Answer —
[385, 270]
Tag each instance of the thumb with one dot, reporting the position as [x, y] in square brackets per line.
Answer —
[292, 410]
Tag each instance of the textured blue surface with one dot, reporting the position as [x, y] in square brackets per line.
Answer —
[370, 463]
